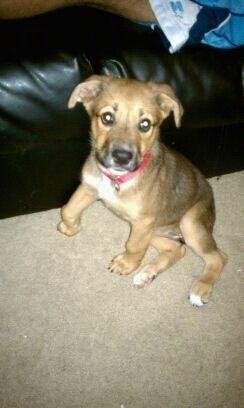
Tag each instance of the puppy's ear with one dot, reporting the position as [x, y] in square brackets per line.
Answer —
[168, 102]
[86, 92]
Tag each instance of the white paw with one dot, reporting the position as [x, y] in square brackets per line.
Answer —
[195, 300]
[142, 279]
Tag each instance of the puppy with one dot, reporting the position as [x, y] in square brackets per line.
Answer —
[166, 200]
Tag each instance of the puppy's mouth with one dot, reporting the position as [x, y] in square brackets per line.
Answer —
[119, 157]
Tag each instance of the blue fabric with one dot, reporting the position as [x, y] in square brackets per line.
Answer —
[235, 6]
[208, 19]
[230, 32]
[220, 23]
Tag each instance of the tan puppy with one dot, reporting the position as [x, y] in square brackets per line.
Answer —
[165, 198]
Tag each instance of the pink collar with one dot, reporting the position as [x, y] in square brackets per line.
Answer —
[120, 179]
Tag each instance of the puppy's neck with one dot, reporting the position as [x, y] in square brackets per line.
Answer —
[120, 177]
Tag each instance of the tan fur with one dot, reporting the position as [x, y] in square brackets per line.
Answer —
[169, 201]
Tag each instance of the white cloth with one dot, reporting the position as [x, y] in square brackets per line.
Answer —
[175, 19]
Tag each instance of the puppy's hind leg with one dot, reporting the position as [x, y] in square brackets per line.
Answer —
[71, 212]
[170, 252]
[197, 232]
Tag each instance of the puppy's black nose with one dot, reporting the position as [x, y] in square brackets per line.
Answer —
[122, 156]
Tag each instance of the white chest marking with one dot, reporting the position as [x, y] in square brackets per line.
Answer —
[104, 187]
[107, 192]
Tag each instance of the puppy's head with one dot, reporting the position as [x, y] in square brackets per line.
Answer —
[125, 117]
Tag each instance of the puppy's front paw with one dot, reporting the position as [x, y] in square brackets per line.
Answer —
[122, 265]
[200, 293]
[68, 230]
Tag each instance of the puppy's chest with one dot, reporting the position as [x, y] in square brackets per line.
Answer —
[125, 205]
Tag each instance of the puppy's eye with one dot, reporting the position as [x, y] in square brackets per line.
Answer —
[145, 125]
[107, 118]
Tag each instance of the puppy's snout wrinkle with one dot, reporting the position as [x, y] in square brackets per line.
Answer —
[121, 155]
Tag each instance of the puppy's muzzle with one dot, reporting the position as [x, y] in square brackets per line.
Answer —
[120, 156]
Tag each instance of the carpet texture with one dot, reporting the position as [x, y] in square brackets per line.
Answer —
[74, 335]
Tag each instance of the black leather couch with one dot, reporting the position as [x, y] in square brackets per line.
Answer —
[43, 144]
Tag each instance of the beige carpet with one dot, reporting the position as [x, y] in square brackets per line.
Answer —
[73, 335]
